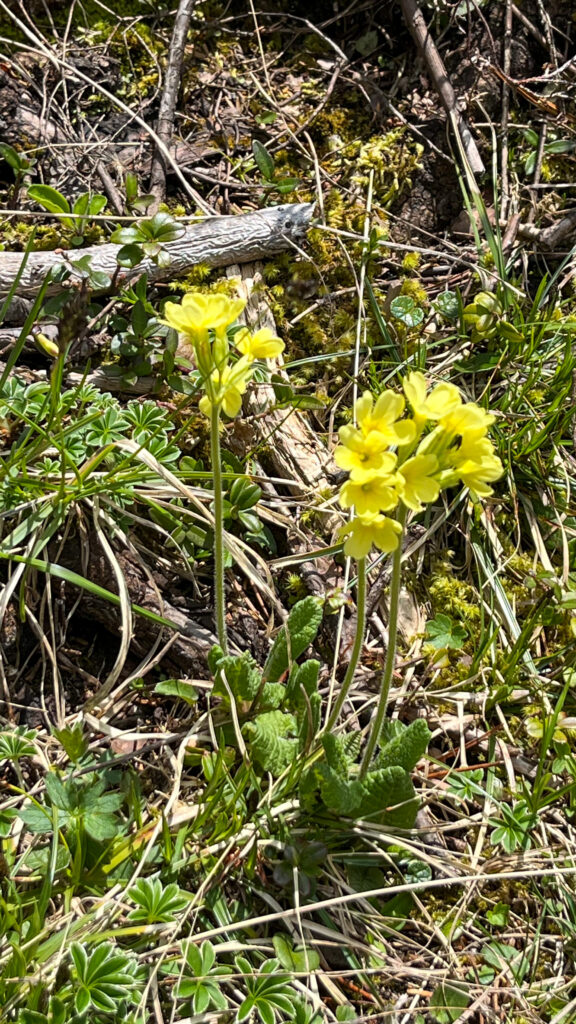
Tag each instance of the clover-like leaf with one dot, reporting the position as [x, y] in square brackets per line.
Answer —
[444, 634]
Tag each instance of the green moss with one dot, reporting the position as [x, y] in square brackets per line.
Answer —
[411, 262]
[415, 290]
[453, 596]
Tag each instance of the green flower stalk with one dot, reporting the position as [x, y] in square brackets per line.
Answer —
[394, 604]
[203, 320]
[219, 583]
[357, 648]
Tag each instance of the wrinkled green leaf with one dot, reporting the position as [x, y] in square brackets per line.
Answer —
[294, 637]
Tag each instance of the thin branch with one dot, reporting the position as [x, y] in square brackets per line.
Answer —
[420, 33]
[165, 125]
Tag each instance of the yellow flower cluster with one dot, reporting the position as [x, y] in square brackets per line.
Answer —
[204, 321]
[443, 442]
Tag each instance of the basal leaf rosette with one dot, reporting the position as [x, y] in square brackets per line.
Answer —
[400, 461]
[203, 321]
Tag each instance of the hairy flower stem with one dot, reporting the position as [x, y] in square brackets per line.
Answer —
[219, 591]
[394, 600]
[358, 641]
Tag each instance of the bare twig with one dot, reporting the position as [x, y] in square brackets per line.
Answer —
[506, 108]
[165, 124]
[420, 33]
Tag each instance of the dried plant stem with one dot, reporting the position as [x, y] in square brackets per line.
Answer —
[219, 589]
[394, 601]
[357, 648]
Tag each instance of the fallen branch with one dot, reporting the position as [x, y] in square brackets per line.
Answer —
[165, 125]
[215, 242]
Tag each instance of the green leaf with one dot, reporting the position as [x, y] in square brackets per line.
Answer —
[448, 305]
[242, 675]
[179, 688]
[82, 1001]
[162, 227]
[201, 999]
[294, 637]
[37, 819]
[81, 205]
[17, 163]
[407, 748]
[346, 1013]
[291, 959]
[530, 164]
[101, 826]
[127, 236]
[244, 494]
[272, 740]
[73, 741]
[264, 160]
[444, 634]
[337, 755]
[367, 42]
[96, 205]
[250, 522]
[245, 1008]
[39, 860]
[498, 916]
[405, 309]
[50, 198]
[531, 136]
[560, 146]
[58, 791]
[131, 186]
[339, 795]
[388, 797]
[287, 185]
[448, 1001]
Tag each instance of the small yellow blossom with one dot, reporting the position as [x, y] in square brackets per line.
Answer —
[262, 345]
[468, 420]
[363, 452]
[477, 475]
[198, 313]
[372, 494]
[364, 531]
[383, 416]
[226, 387]
[416, 482]
[442, 399]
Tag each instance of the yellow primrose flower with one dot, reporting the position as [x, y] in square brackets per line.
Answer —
[473, 448]
[363, 452]
[198, 313]
[373, 493]
[383, 416]
[416, 482]
[262, 345]
[477, 475]
[226, 387]
[468, 420]
[442, 399]
[364, 531]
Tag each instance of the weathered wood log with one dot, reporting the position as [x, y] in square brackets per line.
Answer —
[215, 242]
